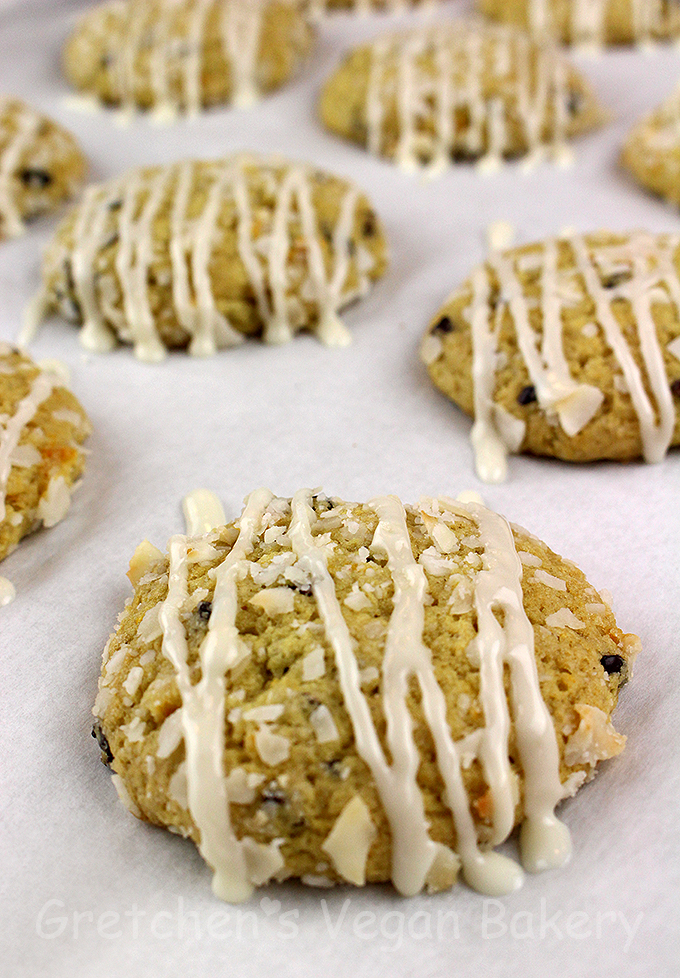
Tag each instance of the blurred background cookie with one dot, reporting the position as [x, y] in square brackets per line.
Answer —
[592, 23]
[461, 90]
[186, 55]
[41, 165]
[199, 255]
[652, 150]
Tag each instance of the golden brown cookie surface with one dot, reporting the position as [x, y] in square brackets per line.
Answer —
[187, 55]
[461, 90]
[201, 254]
[346, 663]
[42, 428]
[40, 165]
[652, 150]
[574, 346]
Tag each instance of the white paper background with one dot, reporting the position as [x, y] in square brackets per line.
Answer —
[357, 421]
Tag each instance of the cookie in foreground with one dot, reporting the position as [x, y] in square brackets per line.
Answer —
[199, 255]
[568, 348]
[591, 24]
[41, 165]
[186, 55]
[652, 150]
[462, 90]
[42, 428]
[343, 692]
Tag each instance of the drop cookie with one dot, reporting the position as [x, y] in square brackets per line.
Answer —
[652, 150]
[186, 55]
[41, 165]
[458, 91]
[42, 429]
[202, 254]
[388, 690]
[569, 348]
[592, 23]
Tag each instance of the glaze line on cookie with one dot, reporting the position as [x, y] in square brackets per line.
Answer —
[124, 212]
[504, 638]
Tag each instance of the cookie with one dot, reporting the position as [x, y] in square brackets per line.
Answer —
[343, 692]
[652, 150]
[40, 165]
[457, 91]
[186, 55]
[591, 23]
[42, 428]
[569, 348]
[320, 7]
[201, 254]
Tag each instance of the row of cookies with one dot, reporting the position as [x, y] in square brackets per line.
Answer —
[422, 98]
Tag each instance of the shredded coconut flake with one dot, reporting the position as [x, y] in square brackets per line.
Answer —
[272, 748]
[135, 676]
[564, 618]
[275, 601]
[324, 725]
[556, 583]
[350, 840]
[264, 714]
[170, 735]
[595, 739]
[314, 664]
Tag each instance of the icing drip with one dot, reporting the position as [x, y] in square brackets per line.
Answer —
[544, 841]
[647, 262]
[148, 50]
[126, 211]
[26, 125]
[464, 51]
[203, 702]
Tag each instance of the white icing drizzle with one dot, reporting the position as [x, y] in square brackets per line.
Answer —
[130, 207]
[544, 841]
[587, 20]
[473, 51]
[147, 49]
[12, 429]
[7, 592]
[203, 703]
[26, 123]
[647, 262]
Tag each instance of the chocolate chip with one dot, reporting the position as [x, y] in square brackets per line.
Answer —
[675, 388]
[617, 278]
[574, 102]
[322, 504]
[204, 610]
[527, 395]
[305, 589]
[444, 325]
[100, 737]
[612, 663]
[326, 231]
[36, 179]
[115, 205]
[369, 225]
